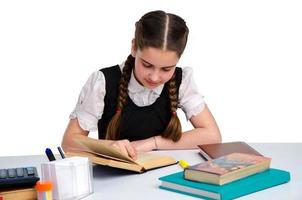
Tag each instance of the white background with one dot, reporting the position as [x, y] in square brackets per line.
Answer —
[246, 57]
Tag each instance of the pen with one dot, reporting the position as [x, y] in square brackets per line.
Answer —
[49, 154]
[61, 152]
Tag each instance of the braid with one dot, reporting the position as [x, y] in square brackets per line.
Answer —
[125, 78]
[173, 130]
[113, 129]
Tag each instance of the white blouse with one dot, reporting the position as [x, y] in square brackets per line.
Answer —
[90, 105]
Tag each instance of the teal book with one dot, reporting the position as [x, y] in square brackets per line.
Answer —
[260, 181]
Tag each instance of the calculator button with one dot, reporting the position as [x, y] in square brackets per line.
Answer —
[11, 173]
[17, 177]
[20, 172]
[3, 173]
[30, 171]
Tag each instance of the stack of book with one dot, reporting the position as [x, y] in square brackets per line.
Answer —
[227, 176]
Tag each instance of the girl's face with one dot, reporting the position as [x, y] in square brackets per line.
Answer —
[153, 66]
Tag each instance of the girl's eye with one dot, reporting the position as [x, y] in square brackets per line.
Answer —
[147, 65]
[166, 69]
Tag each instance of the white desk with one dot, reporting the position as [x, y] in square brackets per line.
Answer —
[112, 183]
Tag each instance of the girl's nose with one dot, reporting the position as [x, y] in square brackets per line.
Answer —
[154, 76]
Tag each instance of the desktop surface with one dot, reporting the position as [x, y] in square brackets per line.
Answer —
[111, 183]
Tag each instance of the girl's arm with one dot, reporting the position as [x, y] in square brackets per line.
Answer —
[74, 130]
[205, 131]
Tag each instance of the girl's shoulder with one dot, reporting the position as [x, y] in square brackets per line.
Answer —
[187, 73]
[96, 76]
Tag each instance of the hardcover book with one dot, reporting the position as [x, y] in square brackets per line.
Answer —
[269, 178]
[227, 168]
[211, 151]
[106, 155]
[18, 193]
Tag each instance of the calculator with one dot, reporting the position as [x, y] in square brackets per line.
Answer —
[18, 177]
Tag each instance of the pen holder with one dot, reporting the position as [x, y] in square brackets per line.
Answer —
[71, 177]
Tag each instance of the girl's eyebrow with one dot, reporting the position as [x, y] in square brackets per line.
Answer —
[153, 65]
[147, 62]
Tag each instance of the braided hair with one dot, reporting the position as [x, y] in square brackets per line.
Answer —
[113, 128]
[161, 30]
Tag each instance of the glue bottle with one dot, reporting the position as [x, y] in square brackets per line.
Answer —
[44, 190]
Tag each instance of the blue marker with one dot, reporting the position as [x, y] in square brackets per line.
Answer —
[49, 154]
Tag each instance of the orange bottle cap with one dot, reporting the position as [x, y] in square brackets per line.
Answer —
[43, 186]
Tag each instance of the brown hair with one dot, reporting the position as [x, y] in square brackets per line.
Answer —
[161, 30]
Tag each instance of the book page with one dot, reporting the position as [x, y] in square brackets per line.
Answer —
[104, 150]
[151, 160]
[106, 156]
[108, 162]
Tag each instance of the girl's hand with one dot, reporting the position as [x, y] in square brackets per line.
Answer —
[144, 145]
[125, 147]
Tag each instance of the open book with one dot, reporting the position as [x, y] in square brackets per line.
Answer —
[109, 156]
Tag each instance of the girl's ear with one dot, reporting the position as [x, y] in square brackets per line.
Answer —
[133, 48]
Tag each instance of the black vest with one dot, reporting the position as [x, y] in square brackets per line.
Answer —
[137, 123]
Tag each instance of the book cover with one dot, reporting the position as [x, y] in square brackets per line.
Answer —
[212, 151]
[227, 168]
[260, 181]
[109, 156]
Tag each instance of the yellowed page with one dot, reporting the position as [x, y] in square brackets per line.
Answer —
[152, 160]
[104, 150]
[108, 162]
[106, 156]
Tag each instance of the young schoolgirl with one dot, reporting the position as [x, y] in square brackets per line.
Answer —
[133, 105]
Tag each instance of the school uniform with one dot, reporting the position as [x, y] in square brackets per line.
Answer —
[147, 111]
